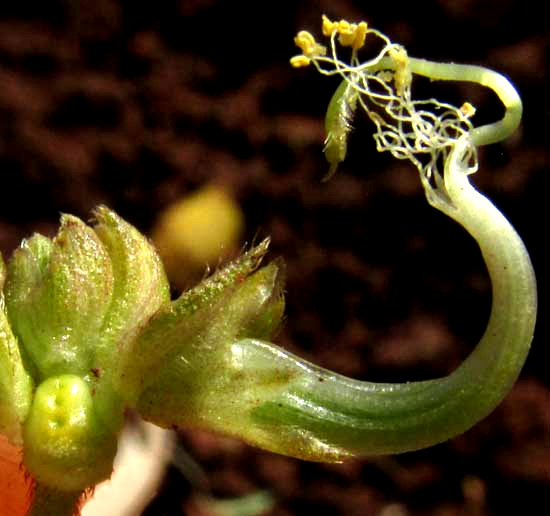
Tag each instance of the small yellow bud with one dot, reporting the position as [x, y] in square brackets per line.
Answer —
[467, 110]
[300, 61]
[197, 230]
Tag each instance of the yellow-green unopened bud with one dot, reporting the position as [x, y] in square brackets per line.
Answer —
[65, 445]
[195, 231]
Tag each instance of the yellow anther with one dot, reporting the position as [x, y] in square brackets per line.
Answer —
[402, 75]
[307, 44]
[467, 110]
[345, 39]
[300, 61]
[305, 41]
[350, 34]
[329, 27]
[346, 32]
[360, 35]
[345, 27]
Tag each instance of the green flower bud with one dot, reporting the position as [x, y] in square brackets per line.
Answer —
[57, 294]
[66, 445]
[77, 301]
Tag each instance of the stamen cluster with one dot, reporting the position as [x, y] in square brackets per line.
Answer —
[422, 131]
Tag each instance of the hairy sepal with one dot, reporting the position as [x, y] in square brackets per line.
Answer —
[203, 379]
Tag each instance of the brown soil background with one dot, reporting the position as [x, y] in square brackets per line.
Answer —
[135, 104]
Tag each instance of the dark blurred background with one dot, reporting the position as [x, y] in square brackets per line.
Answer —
[135, 104]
